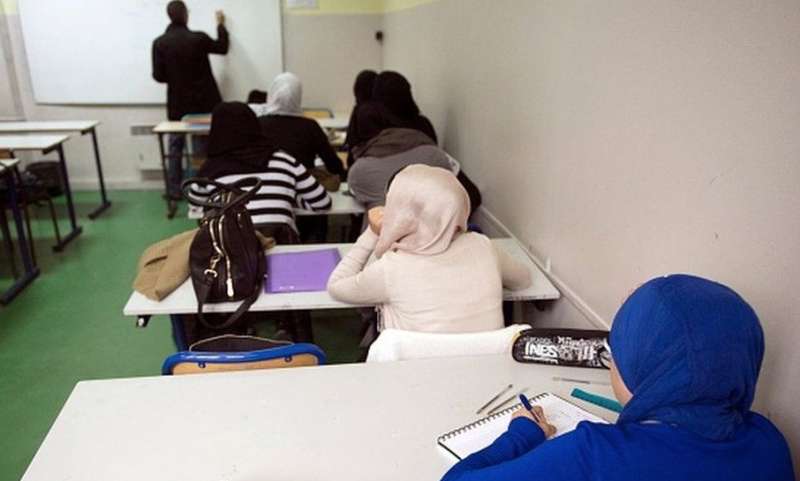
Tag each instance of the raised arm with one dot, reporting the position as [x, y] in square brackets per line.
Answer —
[221, 44]
[514, 274]
[352, 282]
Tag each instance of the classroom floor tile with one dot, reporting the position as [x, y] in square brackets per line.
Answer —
[68, 325]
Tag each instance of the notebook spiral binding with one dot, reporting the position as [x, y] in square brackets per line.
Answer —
[482, 421]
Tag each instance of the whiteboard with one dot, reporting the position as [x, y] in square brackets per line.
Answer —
[99, 51]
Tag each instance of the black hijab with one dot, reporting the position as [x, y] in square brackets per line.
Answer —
[365, 84]
[393, 91]
[235, 143]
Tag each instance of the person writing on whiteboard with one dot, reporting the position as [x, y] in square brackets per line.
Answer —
[686, 356]
[180, 60]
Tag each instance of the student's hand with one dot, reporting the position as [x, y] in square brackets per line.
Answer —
[220, 17]
[538, 417]
[375, 216]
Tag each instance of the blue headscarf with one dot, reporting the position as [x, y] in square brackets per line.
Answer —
[689, 350]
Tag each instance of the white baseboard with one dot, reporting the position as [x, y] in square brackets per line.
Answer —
[493, 227]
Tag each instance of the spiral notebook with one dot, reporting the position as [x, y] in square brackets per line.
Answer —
[473, 437]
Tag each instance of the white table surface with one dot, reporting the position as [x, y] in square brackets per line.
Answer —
[48, 126]
[183, 300]
[8, 163]
[344, 422]
[31, 142]
[178, 127]
[334, 123]
[341, 204]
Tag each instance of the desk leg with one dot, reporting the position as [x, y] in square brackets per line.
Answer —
[178, 333]
[172, 206]
[31, 271]
[104, 202]
[76, 230]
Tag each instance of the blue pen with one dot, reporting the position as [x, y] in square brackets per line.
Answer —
[526, 403]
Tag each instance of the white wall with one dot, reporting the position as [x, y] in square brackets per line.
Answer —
[333, 39]
[627, 139]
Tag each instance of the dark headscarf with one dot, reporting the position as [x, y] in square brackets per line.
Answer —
[235, 142]
[393, 91]
[365, 83]
[689, 350]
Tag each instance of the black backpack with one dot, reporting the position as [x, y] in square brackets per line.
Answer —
[226, 259]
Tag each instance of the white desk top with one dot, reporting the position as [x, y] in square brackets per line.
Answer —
[334, 123]
[7, 163]
[48, 126]
[31, 142]
[341, 203]
[183, 300]
[342, 422]
[178, 127]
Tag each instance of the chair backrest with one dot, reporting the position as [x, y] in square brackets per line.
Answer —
[397, 345]
[294, 355]
[318, 113]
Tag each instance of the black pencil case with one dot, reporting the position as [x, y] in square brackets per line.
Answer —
[563, 347]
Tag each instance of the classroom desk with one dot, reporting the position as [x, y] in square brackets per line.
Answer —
[83, 127]
[189, 129]
[338, 422]
[342, 203]
[47, 144]
[183, 300]
[8, 171]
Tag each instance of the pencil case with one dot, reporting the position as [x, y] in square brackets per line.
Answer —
[563, 347]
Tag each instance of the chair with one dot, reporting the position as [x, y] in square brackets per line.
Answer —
[398, 345]
[318, 113]
[292, 355]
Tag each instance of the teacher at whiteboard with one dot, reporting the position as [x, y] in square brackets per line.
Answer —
[180, 59]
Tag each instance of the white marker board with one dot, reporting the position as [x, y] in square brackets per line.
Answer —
[99, 51]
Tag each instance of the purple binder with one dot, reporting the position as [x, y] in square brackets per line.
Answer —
[300, 271]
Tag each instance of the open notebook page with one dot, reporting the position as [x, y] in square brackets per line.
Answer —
[473, 437]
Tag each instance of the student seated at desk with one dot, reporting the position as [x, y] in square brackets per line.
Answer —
[285, 126]
[430, 275]
[393, 91]
[237, 149]
[387, 153]
[686, 356]
[362, 90]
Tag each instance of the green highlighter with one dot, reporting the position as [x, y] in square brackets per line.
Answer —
[597, 400]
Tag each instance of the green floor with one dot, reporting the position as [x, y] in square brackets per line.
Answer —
[68, 325]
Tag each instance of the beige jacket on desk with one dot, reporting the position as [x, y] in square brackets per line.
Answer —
[164, 266]
[459, 290]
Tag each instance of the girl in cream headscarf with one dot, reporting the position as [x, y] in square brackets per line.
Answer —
[431, 275]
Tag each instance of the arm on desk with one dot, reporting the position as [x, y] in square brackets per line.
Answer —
[513, 273]
[332, 161]
[310, 194]
[352, 282]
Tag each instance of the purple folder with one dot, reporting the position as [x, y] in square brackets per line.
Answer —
[306, 271]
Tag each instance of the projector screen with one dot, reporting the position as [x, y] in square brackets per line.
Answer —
[99, 51]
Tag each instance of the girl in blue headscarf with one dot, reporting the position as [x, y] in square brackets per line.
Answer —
[686, 355]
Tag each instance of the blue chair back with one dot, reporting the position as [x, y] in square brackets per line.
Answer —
[293, 355]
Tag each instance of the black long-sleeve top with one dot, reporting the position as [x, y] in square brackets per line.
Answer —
[180, 59]
[303, 139]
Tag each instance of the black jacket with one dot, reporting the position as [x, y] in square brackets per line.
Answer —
[180, 59]
[303, 139]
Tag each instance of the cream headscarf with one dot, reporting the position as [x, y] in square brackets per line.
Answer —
[285, 95]
[426, 208]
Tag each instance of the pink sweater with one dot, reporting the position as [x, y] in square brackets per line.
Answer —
[459, 290]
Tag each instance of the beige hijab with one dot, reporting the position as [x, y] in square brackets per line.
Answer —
[426, 208]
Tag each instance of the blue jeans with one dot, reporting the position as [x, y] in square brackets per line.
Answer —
[177, 142]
